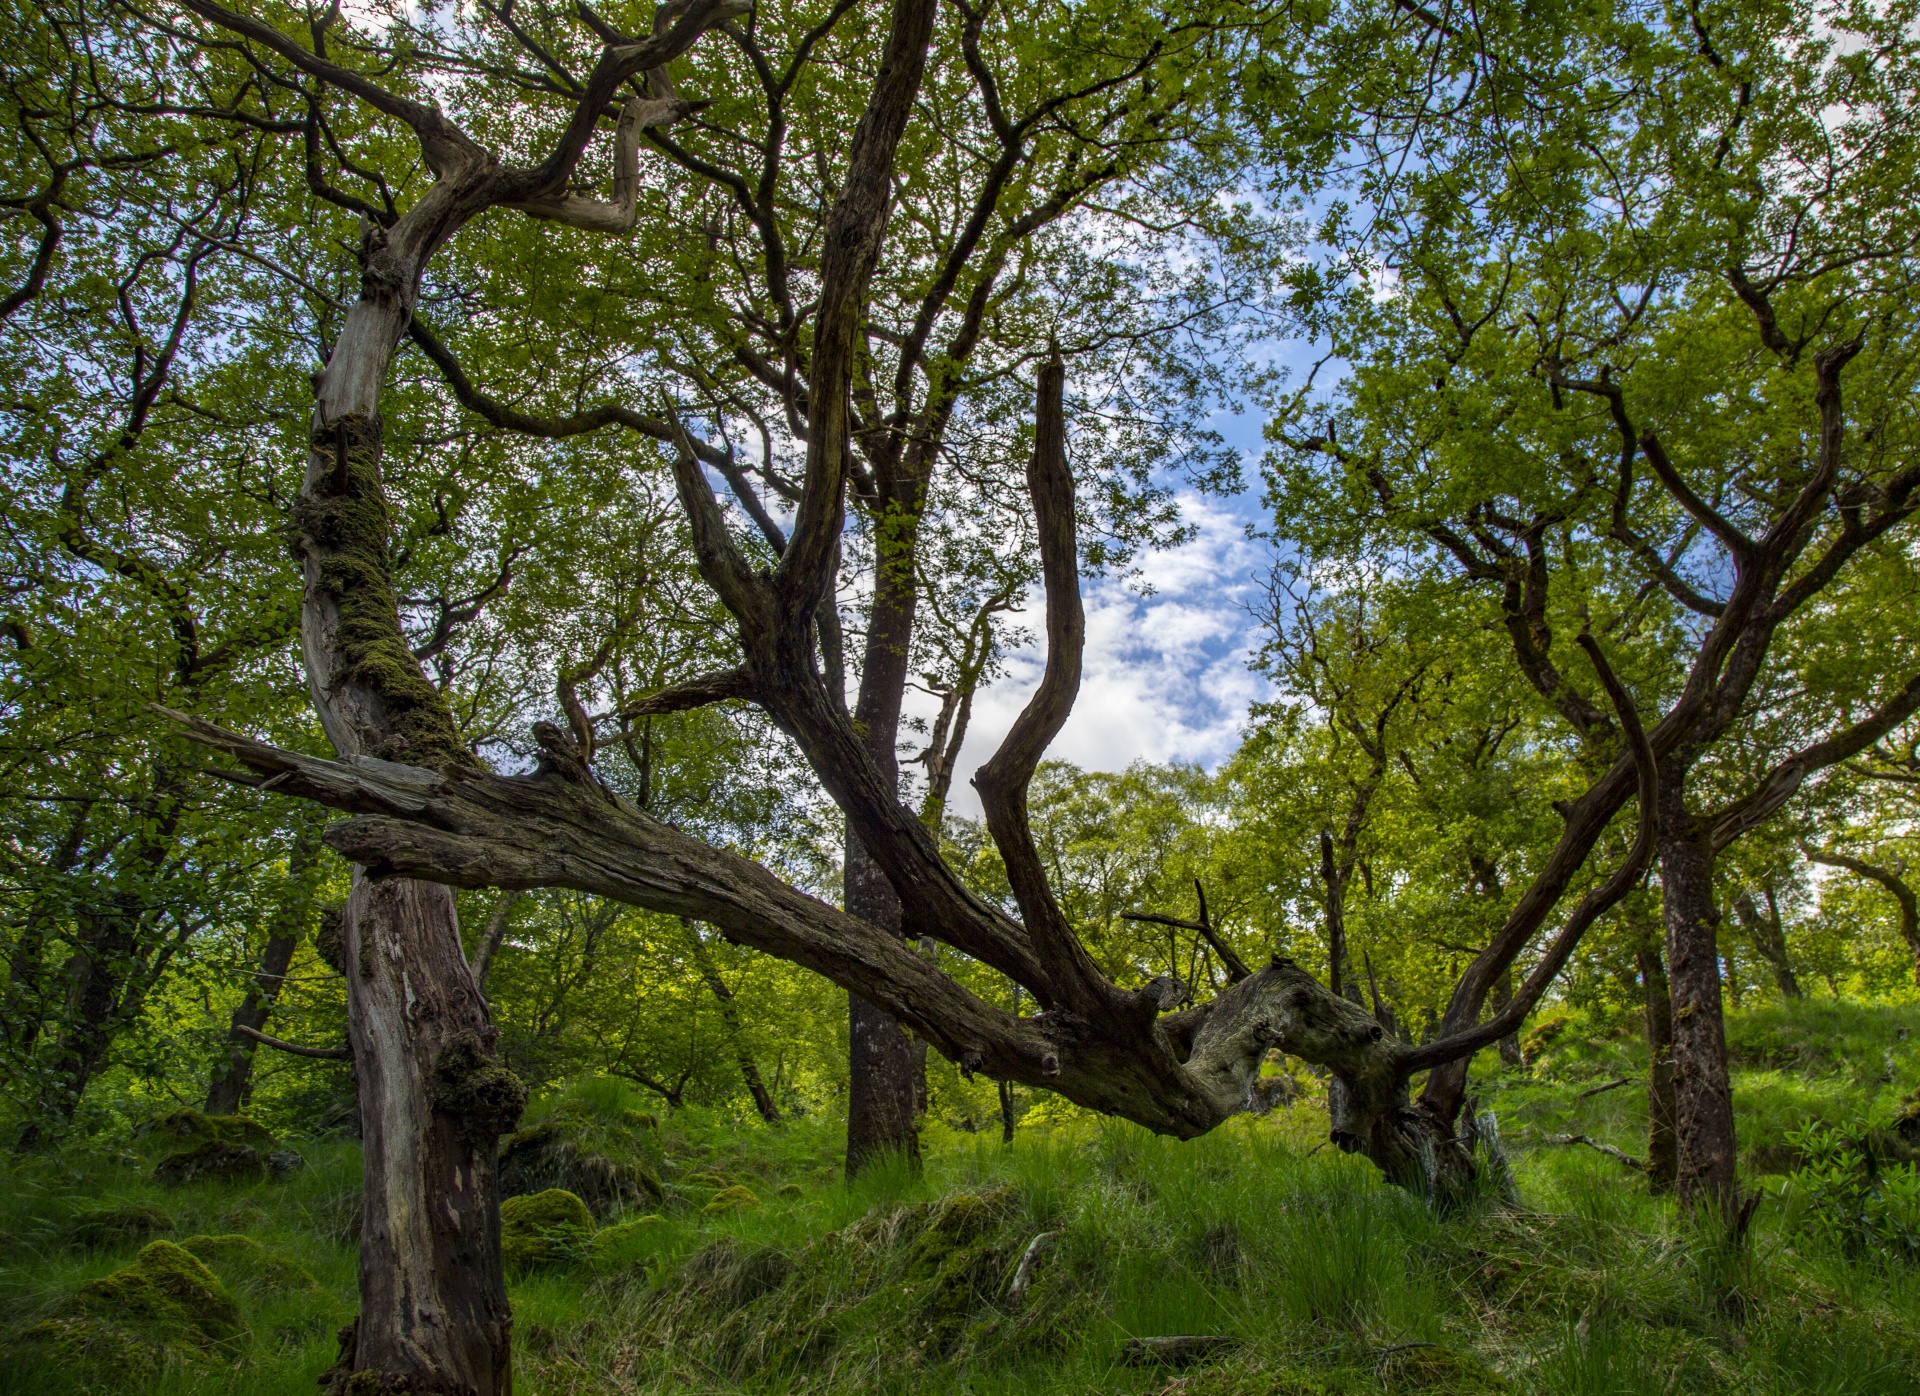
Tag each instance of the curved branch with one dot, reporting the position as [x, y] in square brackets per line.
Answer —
[1002, 781]
[332, 1054]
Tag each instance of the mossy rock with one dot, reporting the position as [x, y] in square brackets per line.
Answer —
[731, 1201]
[957, 1222]
[216, 1160]
[792, 1191]
[188, 1126]
[85, 1354]
[242, 1262]
[121, 1326]
[117, 1226]
[712, 1178]
[610, 1242]
[544, 1228]
[607, 1164]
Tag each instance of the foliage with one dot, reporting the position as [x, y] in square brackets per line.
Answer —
[1844, 1197]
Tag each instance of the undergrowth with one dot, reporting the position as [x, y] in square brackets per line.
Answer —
[1028, 1269]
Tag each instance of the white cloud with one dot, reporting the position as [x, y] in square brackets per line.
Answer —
[1165, 675]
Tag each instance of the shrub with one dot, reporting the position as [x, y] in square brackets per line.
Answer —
[1848, 1199]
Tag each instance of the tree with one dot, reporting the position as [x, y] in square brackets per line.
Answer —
[1533, 406]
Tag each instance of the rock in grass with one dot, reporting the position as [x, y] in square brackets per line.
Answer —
[243, 1263]
[193, 1127]
[216, 1160]
[281, 1162]
[792, 1190]
[1428, 1367]
[117, 1226]
[730, 1201]
[1181, 1350]
[609, 1160]
[119, 1327]
[544, 1228]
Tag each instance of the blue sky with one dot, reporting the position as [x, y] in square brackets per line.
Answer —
[1165, 675]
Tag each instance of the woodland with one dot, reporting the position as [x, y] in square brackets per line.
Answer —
[546, 548]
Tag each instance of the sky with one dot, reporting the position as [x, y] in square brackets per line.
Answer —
[1165, 674]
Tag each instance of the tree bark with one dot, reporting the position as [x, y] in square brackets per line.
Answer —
[1663, 1143]
[1703, 1094]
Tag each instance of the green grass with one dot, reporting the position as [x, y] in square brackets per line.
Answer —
[1328, 1280]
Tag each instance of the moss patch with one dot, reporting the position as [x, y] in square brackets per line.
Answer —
[191, 1127]
[346, 527]
[546, 1228]
[166, 1303]
[474, 1086]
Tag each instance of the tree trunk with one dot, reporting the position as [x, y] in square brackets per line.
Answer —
[730, 1014]
[1663, 1145]
[1703, 1095]
[1007, 1120]
[1769, 939]
[885, 1064]
[95, 972]
[434, 1316]
[492, 936]
[433, 1102]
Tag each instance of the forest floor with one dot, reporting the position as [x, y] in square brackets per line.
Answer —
[761, 1271]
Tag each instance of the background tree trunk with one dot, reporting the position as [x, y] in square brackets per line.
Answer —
[1703, 1094]
[730, 1014]
[231, 1087]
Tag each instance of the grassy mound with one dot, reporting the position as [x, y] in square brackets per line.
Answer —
[164, 1307]
[192, 1127]
[244, 1264]
[117, 1226]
